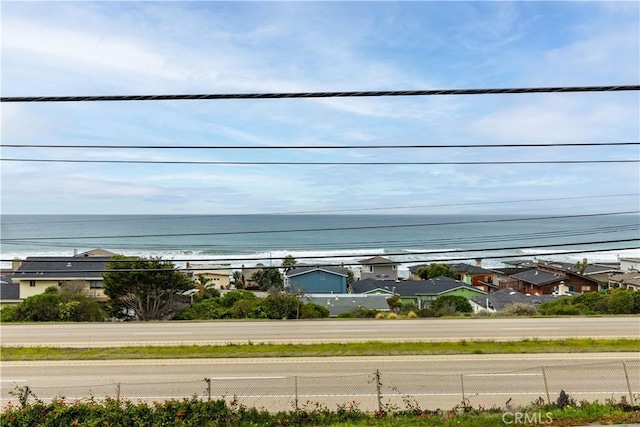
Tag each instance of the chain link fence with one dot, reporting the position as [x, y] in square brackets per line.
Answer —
[378, 391]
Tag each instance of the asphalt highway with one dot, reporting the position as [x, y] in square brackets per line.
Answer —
[277, 383]
[304, 331]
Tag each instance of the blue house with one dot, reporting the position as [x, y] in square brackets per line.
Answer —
[316, 280]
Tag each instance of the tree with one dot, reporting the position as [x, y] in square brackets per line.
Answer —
[437, 270]
[581, 266]
[279, 305]
[394, 303]
[288, 263]
[268, 278]
[147, 288]
[203, 290]
[350, 276]
[238, 280]
[450, 304]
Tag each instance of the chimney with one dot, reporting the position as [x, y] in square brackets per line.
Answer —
[15, 264]
[562, 289]
[478, 262]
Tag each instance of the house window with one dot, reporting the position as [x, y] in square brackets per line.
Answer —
[368, 268]
[393, 267]
[95, 284]
[32, 283]
[586, 288]
[60, 283]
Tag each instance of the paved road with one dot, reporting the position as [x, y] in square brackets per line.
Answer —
[291, 331]
[274, 383]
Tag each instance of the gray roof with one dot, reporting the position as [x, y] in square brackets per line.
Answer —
[89, 268]
[500, 299]
[9, 291]
[508, 271]
[377, 260]
[469, 268]
[343, 303]
[538, 277]
[306, 269]
[411, 288]
[631, 278]
[565, 266]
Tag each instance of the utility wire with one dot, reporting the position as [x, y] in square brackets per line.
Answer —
[413, 261]
[561, 89]
[367, 244]
[315, 147]
[231, 163]
[196, 216]
[364, 227]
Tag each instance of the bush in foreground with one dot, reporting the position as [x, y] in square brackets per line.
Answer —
[196, 412]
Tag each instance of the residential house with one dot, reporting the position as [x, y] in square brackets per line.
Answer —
[316, 280]
[379, 268]
[9, 292]
[35, 274]
[217, 276]
[498, 300]
[629, 264]
[503, 278]
[247, 272]
[344, 303]
[536, 282]
[418, 292]
[476, 276]
[630, 280]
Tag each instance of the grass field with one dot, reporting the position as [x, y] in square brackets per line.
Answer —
[372, 348]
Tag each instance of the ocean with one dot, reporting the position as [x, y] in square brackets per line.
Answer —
[334, 239]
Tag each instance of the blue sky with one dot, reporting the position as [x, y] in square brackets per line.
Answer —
[128, 48]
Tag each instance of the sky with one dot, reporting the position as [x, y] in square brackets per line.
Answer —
[147, 48]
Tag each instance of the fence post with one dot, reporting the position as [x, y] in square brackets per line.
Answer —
[462, 387]
[379, 390]
[626, 375]
[296, 390]
[546, 385]
[118, 391]
[24, 396]
[208, 381]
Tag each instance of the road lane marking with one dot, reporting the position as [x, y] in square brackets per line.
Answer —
[502, 375]
[163, 333]
[248, 378]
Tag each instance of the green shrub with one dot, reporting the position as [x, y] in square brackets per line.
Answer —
[364, 313]
[8, 313]
[313, 311]
[449, 305]
[620, 301]
[230, 298]
[519, 309]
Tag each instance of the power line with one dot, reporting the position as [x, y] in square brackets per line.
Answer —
[367, 244]
[263, 163]
[450, 251]
[351, 94]
[363, 227]
[440, 205]
[316, 147]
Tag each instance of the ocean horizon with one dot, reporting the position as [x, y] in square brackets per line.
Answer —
[329, 239]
